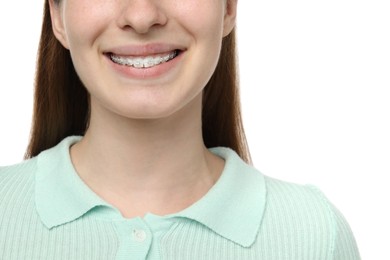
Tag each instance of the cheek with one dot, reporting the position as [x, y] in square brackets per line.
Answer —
[202, 18]
[85, 20]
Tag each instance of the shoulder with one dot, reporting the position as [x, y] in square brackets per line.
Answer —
[20, 170]
[305, 215]
[17, 182]
[307, 196]
[301, 205]
[300, 202]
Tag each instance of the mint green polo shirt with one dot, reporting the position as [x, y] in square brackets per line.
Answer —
[48, 212]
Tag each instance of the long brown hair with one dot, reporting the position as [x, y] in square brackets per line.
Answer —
[61, 103]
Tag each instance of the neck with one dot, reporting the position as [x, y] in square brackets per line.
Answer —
[140, 166]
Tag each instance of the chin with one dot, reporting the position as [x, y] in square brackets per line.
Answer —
[145, 112]
[153, 107]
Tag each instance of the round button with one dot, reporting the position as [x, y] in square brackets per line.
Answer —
[139, 235]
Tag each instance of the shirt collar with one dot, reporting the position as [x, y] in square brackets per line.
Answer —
[60, 195]
[233, 207]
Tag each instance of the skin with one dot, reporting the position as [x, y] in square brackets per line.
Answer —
[144, 151]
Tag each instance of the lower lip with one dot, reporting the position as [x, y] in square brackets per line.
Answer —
[147, 73]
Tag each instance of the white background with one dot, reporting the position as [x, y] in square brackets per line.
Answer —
[315, 84]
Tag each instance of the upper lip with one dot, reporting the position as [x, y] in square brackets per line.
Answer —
[144, 49]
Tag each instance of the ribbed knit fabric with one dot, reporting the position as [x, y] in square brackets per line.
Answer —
[47, 212]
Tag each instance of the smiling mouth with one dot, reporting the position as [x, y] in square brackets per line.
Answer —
[143, 62]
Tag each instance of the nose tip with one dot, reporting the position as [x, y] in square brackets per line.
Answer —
[142, 15]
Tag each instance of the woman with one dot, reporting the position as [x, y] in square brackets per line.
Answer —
[138, 151]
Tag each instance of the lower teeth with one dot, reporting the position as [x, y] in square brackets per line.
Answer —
[143, 63]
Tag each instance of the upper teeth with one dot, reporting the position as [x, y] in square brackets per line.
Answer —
[142, 62]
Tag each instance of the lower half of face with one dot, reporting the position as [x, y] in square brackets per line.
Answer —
[160, 89]
[150, 75]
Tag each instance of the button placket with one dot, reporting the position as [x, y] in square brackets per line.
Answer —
[135, 239]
